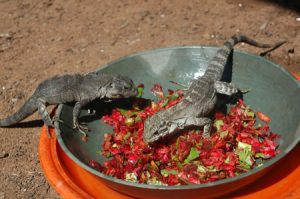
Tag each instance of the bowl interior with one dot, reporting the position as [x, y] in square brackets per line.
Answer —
[273, 91]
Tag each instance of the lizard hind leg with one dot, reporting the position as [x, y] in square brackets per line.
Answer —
[204, 122]
[44, 114]
[225, 88]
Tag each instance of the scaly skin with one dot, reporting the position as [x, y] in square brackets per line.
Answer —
[81, 89]
[200, 98]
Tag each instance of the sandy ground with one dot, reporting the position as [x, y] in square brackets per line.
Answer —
[43, 38]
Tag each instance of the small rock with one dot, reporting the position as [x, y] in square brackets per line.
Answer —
[4, 155]
[206, 36]
[14, 99]
[291, 51]
[6, 35]
[2, 195]
[298, 19]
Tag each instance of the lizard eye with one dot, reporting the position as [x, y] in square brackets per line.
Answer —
[162, 123]
[169, 124]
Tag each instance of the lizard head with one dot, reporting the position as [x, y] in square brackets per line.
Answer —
[155, 128]
[121, 87]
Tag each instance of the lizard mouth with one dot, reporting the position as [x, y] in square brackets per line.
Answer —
[153, 138]
[116, 96]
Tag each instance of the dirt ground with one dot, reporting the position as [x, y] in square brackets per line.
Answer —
[43, 38]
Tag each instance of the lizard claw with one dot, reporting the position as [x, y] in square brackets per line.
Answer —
[56, 119]
[82, 128]
[245, 91]
[206, 131]
[51, 125]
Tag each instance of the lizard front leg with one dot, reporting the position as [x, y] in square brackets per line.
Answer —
[225, 88]
[188, 122]
[76, 111]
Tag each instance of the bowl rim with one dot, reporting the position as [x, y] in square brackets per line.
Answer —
[181, 187]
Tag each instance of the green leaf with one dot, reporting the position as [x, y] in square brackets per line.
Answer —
[223, 134]
[227, 160]
[154, 181]
[134, 113]
[179, 165]
[192, 155]
[245, 155]
[248, 112]
[140, 91]
[201, 169]
[166, 173]
[108, 154]
[174, 157]
[212, 169]
[126, 136]
[138, 118]
[243, 145]
[166, 101]
[218, 124]
[174, 96]
[177, 143]
[158, 163]
[131, 177]
[123, 111]
[260, 155]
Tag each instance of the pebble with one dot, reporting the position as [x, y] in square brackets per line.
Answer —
[4, 155]
[298, 19]
[2, 195]
[14, 99]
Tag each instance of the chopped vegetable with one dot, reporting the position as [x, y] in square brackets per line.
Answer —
[237, 145]
[192, 155]
[140, 90]
[263, 117]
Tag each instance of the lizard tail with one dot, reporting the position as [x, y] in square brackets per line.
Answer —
[216, 66]
[27, 109]
[242, 38]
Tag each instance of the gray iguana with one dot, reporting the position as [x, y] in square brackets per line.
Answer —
[200, 98]
[81, 89]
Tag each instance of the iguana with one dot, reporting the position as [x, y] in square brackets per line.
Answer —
[200, 98]
[78, 88]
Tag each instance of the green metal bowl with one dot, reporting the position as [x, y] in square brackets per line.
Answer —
[273, 91]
